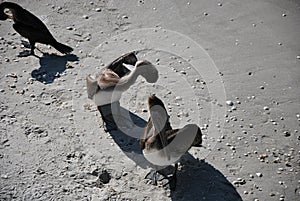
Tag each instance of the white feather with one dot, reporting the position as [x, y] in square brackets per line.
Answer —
[104, 97]
[129, 67]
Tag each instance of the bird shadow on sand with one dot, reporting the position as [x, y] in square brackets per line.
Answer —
[196, 179]
[127, 138]
[199, 180]
[51, 67]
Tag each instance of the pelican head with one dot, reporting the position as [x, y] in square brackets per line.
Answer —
[3, 15]
[153, 100]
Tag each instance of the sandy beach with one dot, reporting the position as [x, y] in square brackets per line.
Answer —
[231, 67]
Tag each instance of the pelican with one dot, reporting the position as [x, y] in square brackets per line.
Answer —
[160, 143]
[106, 88]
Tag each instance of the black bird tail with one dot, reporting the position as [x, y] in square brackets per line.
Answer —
[64, 49]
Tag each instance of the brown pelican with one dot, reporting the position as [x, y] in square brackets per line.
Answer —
[162, 145]
[106, 88]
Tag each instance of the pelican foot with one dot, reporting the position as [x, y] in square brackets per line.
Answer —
[154, 176]
[159, 178]
[171, 177]
[171, 184]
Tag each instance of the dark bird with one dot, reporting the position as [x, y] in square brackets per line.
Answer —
[161, 144]
[31, 27]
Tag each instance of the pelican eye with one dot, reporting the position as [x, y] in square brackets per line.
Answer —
[8, 12]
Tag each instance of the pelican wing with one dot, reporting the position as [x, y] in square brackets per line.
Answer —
[160, 119]
[180, 140]
[146, 134]
[117, 65]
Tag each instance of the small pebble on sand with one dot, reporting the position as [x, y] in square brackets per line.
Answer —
[287, 133]
[229, 103]
[272, 194]
[4, 176]
[178, 98]
[259, 174]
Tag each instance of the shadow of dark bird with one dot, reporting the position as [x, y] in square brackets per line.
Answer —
[51, 67]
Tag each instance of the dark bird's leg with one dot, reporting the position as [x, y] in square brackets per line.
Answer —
[23, 29]
[32, 46]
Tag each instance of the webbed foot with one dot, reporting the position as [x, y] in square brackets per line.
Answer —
[161, 177]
